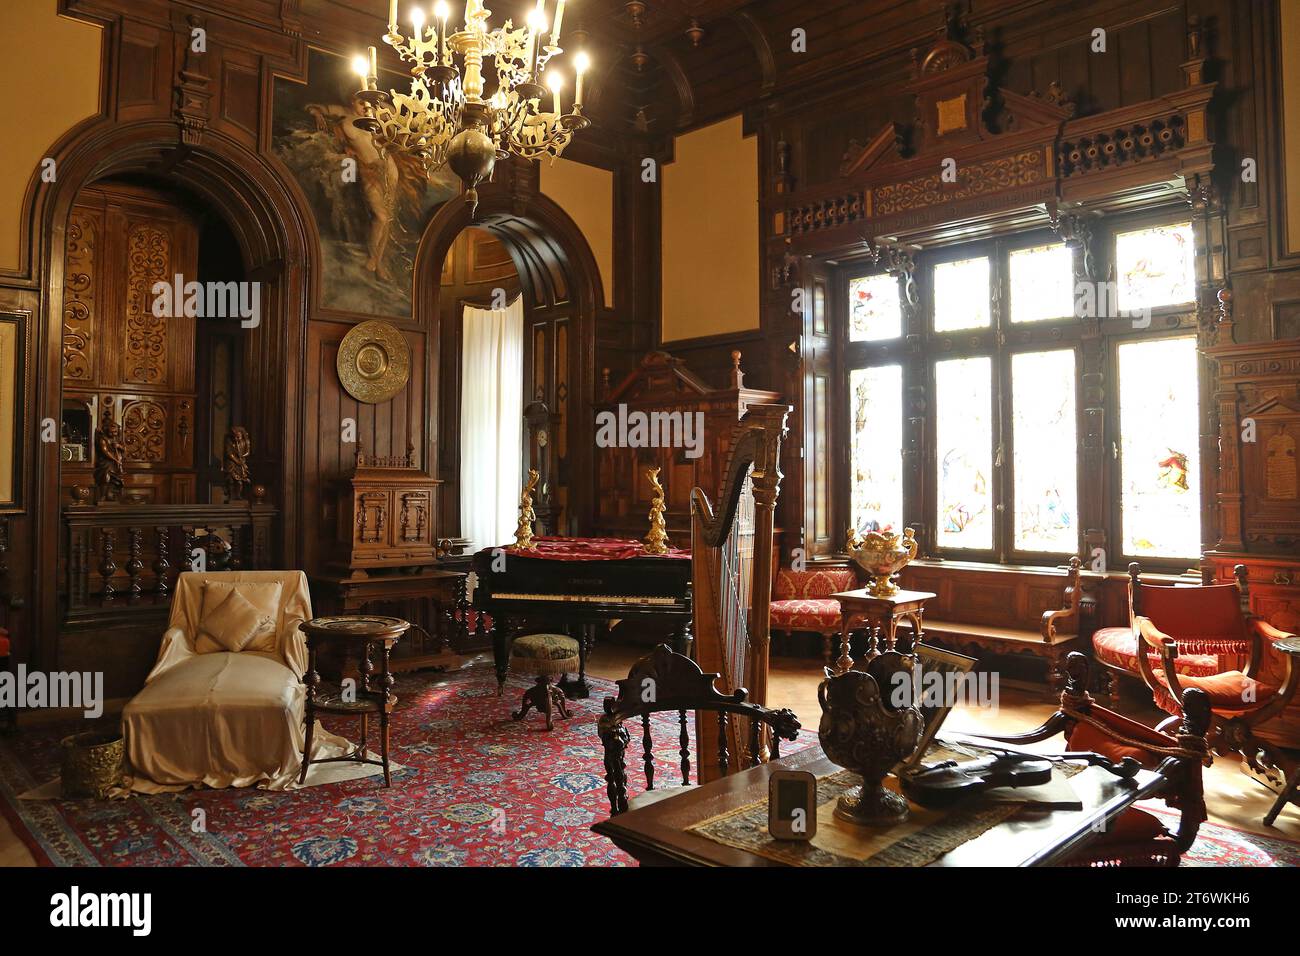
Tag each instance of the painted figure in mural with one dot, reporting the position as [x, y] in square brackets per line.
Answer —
[377, 175]
[110, 459]
[234, 462]
[1173, 471]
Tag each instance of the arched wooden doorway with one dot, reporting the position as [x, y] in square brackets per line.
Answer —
[249, 196]
[559, 275]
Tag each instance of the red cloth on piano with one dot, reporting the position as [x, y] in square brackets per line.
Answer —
[593, 549]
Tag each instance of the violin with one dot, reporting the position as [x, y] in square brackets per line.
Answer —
[942, 784]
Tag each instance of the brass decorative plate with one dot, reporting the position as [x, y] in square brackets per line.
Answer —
[374, 362]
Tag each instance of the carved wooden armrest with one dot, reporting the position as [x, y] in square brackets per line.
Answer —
[1267, 630]
[1148, 635]
[1072, 597]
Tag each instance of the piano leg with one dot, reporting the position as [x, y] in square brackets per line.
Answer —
[501, 650]
[682, 638]
[578, 690]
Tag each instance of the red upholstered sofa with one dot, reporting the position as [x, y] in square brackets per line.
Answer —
[801, 601]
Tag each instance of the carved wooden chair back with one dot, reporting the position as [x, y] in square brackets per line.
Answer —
[665, 682]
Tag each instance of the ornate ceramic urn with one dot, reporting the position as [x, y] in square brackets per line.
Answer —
[869, 725]
[882, 554]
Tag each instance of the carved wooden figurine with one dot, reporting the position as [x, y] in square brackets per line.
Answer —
[234, 462]
[524, 533]
[110, 456]
[656, 542]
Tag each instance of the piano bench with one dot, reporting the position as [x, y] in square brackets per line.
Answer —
[544, 656]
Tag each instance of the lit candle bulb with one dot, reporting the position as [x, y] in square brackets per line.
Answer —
[581, 64]
[417, 21]
[442, 11]
[559, 17]
[536, 27]
[556, 83]
[361, 66]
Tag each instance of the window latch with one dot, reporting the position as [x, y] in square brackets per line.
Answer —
[1114, 450]
[997, 460]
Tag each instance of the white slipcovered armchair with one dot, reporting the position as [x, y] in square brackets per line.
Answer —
[216, 717]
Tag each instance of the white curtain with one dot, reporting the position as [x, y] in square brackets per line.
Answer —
[491, 429]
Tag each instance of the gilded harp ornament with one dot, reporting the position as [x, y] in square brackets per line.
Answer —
[524, 531]
[656, 542]
[731, 581]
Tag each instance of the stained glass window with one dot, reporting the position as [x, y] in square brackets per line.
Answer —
[1155, 267]
[1160, 492]
[875, 309]
[961, 295]
[1042, 283]
[963, 444]
[1046, 447]
[876, 466]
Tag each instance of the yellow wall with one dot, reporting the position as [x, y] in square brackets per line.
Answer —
[586, 193]
[710, 233]
[1291, 117]
[49, 70]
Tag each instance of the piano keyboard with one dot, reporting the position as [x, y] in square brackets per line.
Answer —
[638, 599]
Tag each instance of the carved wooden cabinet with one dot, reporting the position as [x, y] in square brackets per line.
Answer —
[121, 358]
[1257, 400]
[1258, 405]
[387, 517]
[662, 385]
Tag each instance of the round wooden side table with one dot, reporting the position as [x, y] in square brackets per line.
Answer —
[355, 635]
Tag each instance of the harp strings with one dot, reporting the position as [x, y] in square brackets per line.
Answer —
[736, 574]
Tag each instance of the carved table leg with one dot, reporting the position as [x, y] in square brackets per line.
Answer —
[386, 678]
[1290, 794]
[845, 662]
[682, 638]
[312, 680]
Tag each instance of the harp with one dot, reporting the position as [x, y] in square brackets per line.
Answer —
[731, 574]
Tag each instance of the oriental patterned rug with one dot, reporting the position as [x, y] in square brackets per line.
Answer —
[478, 789]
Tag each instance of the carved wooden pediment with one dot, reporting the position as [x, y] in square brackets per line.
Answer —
[974, 154]
[658, 374]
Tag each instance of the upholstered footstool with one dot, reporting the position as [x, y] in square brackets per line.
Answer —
[544, 656]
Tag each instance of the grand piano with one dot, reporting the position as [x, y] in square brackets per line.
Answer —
[574, 584]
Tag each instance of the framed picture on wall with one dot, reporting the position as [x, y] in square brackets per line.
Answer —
[13, 419]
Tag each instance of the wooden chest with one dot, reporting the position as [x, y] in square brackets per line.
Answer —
[387, 517]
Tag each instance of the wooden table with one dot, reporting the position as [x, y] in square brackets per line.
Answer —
[862, 605]
[430, 641]
[656, 835]
[1290, 792]
[354, 635]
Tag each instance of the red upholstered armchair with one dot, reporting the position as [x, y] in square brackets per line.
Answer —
[1136, 838]
[1215, 619]
[801, 601]
[1116, 648]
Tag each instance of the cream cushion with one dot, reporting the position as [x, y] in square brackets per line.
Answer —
[218, 614]
[231, 625]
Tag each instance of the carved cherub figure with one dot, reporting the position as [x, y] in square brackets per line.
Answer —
[234, 462]
[656, 542]
[110, 459]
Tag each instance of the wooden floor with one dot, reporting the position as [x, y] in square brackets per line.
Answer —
[1233, 799]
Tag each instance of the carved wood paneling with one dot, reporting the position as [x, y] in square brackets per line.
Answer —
[148, 260]
[84, 229]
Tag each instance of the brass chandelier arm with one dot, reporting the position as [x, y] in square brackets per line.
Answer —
[446, 119]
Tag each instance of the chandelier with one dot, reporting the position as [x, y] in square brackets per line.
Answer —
[448, 117]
